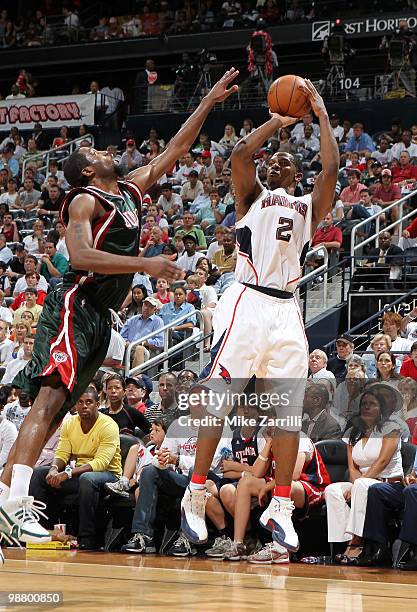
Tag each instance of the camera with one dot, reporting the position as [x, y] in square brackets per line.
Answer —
[205, 58]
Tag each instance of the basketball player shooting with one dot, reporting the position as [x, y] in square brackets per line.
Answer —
[257, 324]
[102, 217]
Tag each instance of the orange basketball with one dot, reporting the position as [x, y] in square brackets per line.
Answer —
[286, 98]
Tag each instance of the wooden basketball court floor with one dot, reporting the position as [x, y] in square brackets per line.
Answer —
[116, 582]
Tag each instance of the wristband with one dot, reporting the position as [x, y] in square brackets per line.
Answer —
[262, 458]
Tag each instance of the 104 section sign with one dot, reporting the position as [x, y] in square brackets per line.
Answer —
[50, 112]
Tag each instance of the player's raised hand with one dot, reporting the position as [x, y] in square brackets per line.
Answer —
[315, 99]
[285, 121]
[160, 267]
[221, 90]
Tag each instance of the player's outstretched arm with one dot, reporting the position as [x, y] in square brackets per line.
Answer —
[247, 187]
[325, 185]
[79, 240]
[180, 144]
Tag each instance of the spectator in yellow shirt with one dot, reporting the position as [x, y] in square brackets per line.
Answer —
[91, 440]
[31, 295]
[225, 258]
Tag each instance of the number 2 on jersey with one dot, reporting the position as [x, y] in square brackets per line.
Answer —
[284, 232]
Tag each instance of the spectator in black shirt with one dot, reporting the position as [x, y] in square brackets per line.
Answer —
[338, 364]
[16, 265]
[49, 204]
[126, 417]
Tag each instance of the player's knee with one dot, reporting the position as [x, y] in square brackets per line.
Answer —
[227, 494]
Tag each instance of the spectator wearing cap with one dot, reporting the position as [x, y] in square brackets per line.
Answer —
[203, 199]
[171, 203]
[131, 158]
[188, 261]
[141, 325]
[360, 141]
[405, 144]
[191, 188]
[189, 227]
[338, 363]
[383, 154]
[405, 173]
[208, 169]
[338, 130]
[136, 393]
[352, 193]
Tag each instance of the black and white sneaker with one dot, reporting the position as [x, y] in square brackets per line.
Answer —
[181, 548]
[139, 543]
[120, 487]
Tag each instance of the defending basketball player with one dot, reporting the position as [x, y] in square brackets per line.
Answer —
[102, 217]
[257, 324]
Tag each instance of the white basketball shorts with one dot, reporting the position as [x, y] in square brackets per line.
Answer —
[257, 334]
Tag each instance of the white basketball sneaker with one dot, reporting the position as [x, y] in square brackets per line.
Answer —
[277, 519]
[21, 517]
[193, 515]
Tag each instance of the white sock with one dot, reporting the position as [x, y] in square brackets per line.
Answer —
[4, 492]
[194, 486]
[21, 475]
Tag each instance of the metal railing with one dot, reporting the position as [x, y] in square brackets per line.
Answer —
[167, 351]
[367, 328]
[376, 217]
[47, 156]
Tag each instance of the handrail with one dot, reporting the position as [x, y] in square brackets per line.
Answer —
[323, 268]
[69, 146]
[167, 351]
[362, 324]
[400, 202]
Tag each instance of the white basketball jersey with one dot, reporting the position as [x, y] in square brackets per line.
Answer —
[273, 239]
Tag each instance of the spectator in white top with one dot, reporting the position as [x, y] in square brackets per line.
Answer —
[17, 411]
[16, 365]
[5, 313]
[15, 95]
[203, 200]
[71, 19]
[11, 196]
[209, 301]
[391, 325]
[113, 361]
[8, 435]
[409, 325]
[61, 246]
[217, 244]
[30, 264]
[406, 144]
[6, 345]
[5, 253]
[247, 128]
[309, 144]
[35, 243]
[189, 260]
[131, 158]
[113, 97]
[183, 173]
[171, 203]
[338, 130]
[317, 365]
[59, 174]
[383, 154]
[191, 188]
[298, 132]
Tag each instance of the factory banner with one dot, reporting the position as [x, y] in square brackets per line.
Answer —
[52, 112]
